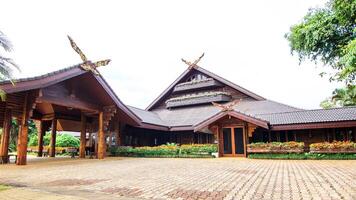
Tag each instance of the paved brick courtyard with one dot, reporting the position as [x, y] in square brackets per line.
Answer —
[148, 178]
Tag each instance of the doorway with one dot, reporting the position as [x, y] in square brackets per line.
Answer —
[234, 141]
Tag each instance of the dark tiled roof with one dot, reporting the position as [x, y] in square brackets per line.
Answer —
[41, 76]
[147, 116]
[188, 116]
[311, 116]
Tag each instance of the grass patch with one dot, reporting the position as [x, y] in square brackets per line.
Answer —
[4, 187]
[304, 156]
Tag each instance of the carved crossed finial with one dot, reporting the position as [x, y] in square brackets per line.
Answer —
[193, 64]
[87, 65]
[228, 106]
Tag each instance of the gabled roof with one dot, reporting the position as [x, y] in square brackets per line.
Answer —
[208, 73]
[37, 82]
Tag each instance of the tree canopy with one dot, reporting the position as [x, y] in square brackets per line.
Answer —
[328, 35]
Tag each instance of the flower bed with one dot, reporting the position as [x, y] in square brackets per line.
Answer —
[169, 150]
[276, 147]
[59, 150]
[333, 147]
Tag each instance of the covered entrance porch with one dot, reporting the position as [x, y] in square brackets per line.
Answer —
[232, 132]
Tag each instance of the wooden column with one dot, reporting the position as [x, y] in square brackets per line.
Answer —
[221, 141]
[117, 134]
[83, 134]
[101, 137]
[269, 136]
[41, 133]
[53, 138]
[23, 134]
[5, 139]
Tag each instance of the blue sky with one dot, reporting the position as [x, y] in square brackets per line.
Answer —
[243, 41]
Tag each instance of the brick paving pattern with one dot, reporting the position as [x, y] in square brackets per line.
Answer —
[181, 179]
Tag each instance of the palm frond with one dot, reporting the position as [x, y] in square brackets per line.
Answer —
[5, 42]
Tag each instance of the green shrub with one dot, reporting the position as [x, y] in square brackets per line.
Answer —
[168, 150]
[66, 140]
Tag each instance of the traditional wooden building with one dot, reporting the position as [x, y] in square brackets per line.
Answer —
[75, 99]
[184, 113]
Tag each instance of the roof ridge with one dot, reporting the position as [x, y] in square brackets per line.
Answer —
[299, 111]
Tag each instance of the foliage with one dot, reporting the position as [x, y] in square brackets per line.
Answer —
[6, 64]
[168, 150]
[303, 156]
[4, 187]
[34, 140]
[336, 145]
[198, 148]
[329, 35]
[66, 140]
[62, 140]
[277, 145]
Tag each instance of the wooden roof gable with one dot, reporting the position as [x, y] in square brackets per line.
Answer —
[54, 78]
[188, 72]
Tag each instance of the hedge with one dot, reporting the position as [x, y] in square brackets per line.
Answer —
[168, 150]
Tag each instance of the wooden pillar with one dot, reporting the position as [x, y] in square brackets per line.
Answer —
[5, 139]
[269, 135]
[41, 133]
[23, 134]
[221, 141]
[83, 136]
[53, 138]
[101, 137]
[286, 135]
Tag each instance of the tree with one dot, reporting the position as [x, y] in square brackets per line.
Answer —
[328, 35]
[6, 64]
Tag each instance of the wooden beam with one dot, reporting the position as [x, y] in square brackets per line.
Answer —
[53, 138]
[69, 102]
[101, 137]
[83, 133]
[23, 134]
[5, 139]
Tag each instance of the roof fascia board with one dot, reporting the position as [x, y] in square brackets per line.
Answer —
[318, 125]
